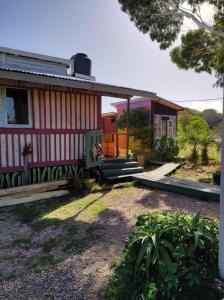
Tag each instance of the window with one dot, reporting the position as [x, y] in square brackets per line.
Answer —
[17, 106]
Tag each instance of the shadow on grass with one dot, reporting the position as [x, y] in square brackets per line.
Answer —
[66, 238]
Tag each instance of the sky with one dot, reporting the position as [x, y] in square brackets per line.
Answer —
[120, 54]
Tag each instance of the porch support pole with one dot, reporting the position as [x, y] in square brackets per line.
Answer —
[221, 217]
[128, 125]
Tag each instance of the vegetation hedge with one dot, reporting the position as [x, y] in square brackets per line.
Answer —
[168, 256]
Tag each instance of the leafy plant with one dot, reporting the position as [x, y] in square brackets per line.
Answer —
[166, 148]
[168, 256]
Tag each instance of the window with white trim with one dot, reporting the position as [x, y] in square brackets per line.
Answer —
[15, 108]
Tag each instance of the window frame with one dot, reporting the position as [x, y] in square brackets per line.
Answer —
[3, 109]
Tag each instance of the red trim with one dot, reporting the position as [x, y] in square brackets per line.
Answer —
[55, 107]
[70, 151]
[39, 102]
[55, 148]
[11, 169]
[61, 107]
[60, 150]
[89, 112]
[54, 163]
[0, 155]
[32, 147]
[66, 110]
[32, 107]
[80, 112]
[40, 131]
[46, 148]
[84, 108]
[76, 112]
[45, 109]
[99, 112]
[7, 150]
[13, 149]
[71, 106]
[50, 103]
[65, 143]
[78, 146]
[41, 159]
[19, 140]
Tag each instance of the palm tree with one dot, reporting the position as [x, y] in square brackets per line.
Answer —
[207, 140]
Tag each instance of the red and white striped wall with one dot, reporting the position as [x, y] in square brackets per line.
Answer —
[59, 122]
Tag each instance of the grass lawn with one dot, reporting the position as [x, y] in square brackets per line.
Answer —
[198, 172]
[63, 248]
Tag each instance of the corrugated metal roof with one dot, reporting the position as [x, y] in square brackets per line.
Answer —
[69, 81]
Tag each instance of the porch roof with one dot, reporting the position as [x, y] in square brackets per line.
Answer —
[69, 81]
[154, 99]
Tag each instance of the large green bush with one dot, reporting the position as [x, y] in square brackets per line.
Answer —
[166, 148]
[168, 256]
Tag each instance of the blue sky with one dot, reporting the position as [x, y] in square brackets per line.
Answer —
[120, 54]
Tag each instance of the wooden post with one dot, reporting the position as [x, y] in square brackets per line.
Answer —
[128, 109]
[221, 217]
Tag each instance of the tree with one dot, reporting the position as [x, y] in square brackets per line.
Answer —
[185, 119]
[201, 49]
[139, 127]
[197, 128]
[212, 116]
[138, 118]
[206, 140]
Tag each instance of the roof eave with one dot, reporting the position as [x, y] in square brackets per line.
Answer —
[102, 89]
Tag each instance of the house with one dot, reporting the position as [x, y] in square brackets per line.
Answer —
[50, 116]
[162, 116]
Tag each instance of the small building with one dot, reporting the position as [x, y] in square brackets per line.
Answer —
[162, 116]
[50, 116]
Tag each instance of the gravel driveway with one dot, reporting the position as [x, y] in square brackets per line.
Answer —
[71, 259]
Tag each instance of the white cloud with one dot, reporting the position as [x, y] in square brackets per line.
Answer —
[199, 105]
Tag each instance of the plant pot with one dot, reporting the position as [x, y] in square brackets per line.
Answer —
[141, 160]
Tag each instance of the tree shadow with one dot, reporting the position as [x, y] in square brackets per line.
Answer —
[81, 252]
[167, 201]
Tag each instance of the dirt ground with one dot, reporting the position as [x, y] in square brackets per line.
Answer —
[67, 255]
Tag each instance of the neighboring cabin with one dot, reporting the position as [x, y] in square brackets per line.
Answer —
[162, 117]
[50, 115]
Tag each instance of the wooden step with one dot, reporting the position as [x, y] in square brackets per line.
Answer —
[117, 160]
[18, 199]
[128, 176]
[124, 171]
[34, 188]
[120, 165]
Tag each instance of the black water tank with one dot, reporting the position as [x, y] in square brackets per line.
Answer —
[82, 64]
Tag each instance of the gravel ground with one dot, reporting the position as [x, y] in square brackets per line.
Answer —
[83, 274]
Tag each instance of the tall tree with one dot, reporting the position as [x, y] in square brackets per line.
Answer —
[212, 116]
[201, 49]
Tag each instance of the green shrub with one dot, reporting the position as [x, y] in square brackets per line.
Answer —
[168, 256]
[166, 148]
